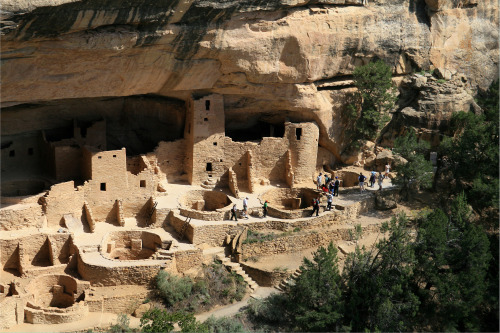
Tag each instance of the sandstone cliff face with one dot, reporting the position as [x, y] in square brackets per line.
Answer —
[275, 59]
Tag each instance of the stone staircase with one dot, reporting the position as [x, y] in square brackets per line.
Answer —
[288, 281]
[209, 184]
[163, 255]
[236, 267]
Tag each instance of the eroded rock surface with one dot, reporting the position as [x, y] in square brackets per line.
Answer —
[282, 58]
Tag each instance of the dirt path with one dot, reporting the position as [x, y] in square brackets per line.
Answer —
[231, 310]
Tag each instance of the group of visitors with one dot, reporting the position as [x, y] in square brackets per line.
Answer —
[329, 186]
[234, 210]
[373, 178]
[244, 212]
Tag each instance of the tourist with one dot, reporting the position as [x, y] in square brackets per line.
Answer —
[245, 207]
[234, 210]
[387, 169]
[319, 181]
[331, 186]
[365, 2]
[380, 180]
[327, 179]
[315, 207]
[361, 180]
[265, 208]
[336, 187]
[329, 201]
[372, 178]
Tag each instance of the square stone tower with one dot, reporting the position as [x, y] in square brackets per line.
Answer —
[205, 131]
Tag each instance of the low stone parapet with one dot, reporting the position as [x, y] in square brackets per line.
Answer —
[37, 315]
[263, 277]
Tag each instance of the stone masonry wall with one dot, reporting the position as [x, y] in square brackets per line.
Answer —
[11, 311]
[207, 130]
[296, 243]
[303, 142]
[63, 198]
[188, 259]
[171, 159]
[264, 278]
[21, 216]
[113, 275]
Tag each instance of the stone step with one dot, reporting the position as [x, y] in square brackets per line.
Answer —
[236, 268]
[163, 258]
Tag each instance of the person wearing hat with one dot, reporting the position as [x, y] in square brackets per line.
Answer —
[245, 207]
[265, 208]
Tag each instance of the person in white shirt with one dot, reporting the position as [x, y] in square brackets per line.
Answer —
[329, 200]
[245, 207]
[320, 181]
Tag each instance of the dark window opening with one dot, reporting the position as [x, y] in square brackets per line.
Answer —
[99, 157]
[205, 119]
[209, 167]
[103, 186]
[207, 105]
[241, 133]
[58, 134]
[220, 160]
[114, 155]
[30, 151]
[215, 143]
[143, 183]
[12, 153]
[298, 132]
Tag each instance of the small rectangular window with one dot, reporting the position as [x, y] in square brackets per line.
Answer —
[207, 105]
[114, 155]
[205, 119]
[215, 143]
[209, 167]
[143, 183]
[12, 153]
[99, 157]
[103, 186]
[298, 133]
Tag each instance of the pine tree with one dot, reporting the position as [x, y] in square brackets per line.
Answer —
[315, 296]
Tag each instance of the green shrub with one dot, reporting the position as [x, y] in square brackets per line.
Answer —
[218, 286]
[173, 288]
[258, 237]
[223, 325]
[158, 320]
[122, 325]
